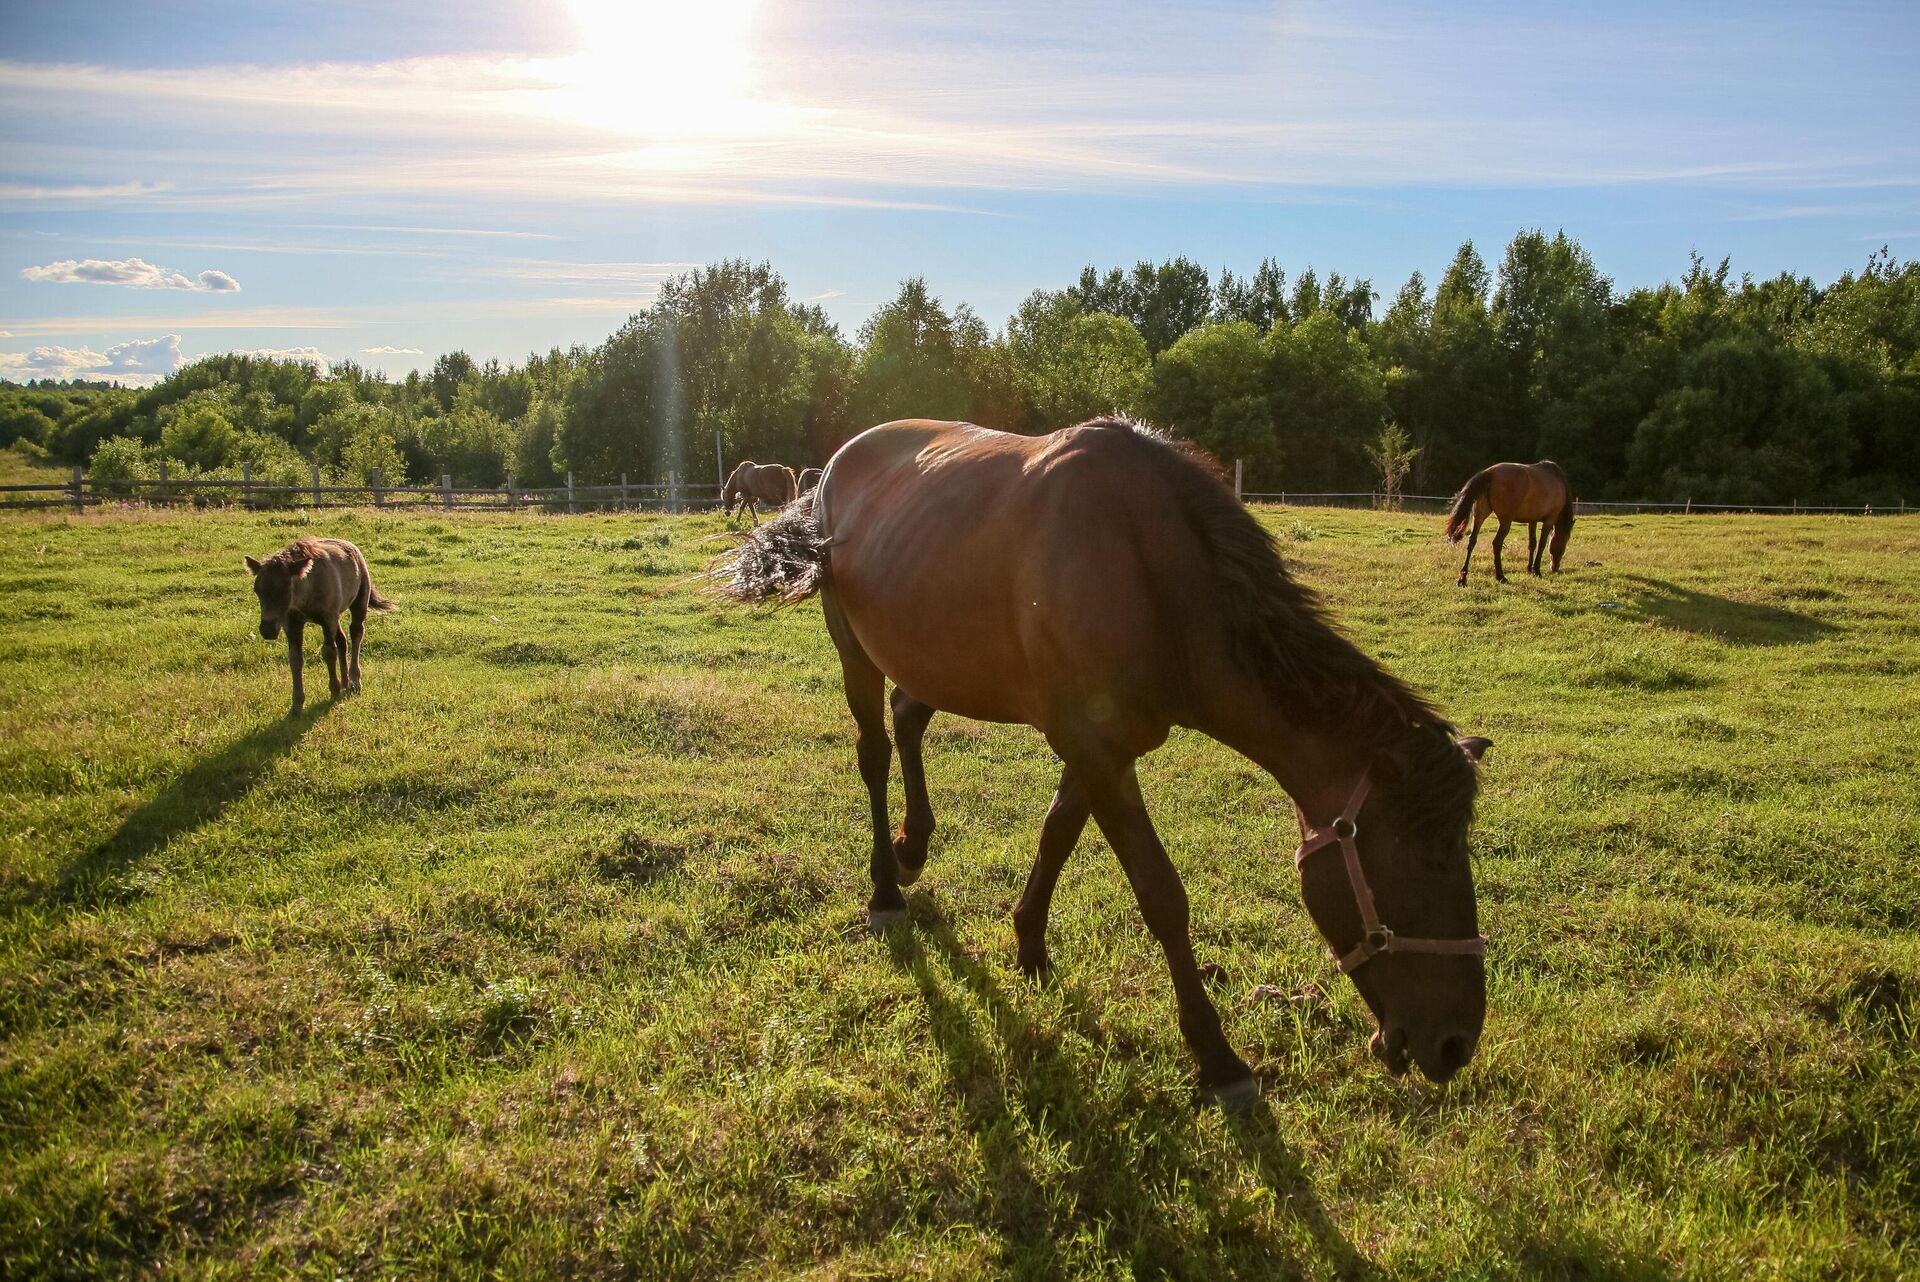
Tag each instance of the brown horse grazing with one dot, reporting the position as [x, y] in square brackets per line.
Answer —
[312, 581]
[1103, 585]
[1529, 492]
[809, 477]
[752, 483]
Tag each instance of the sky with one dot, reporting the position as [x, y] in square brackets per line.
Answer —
[390, 181]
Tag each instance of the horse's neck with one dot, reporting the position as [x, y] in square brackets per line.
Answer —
[1317, 764]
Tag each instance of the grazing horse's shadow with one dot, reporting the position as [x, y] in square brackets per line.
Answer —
[195, 799]
[1738, 622]
[1042, 1086]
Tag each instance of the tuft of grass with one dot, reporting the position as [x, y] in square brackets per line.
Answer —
[544, 956]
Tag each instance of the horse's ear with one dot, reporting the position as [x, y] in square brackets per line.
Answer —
[1475, 747]
[305, 566]
[253, 566]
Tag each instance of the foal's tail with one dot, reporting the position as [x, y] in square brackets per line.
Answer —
[374, 600]
[1462, 514]
[784, 560]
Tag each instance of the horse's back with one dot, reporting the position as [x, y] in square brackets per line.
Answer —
[982, 569]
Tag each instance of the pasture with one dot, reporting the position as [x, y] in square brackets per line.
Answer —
[545, 955]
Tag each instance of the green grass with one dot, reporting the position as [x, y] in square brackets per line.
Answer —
[544, 956]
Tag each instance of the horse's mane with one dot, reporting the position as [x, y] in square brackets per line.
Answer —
[1278, 631]
[304, 548]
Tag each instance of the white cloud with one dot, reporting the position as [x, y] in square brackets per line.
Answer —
[136, 363]
[136, 272]
[824, 295]
[30, 191]
[305, 355]
[392, 351]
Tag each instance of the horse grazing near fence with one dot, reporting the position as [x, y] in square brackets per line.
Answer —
[312, 581]
[809, 477]
[1529, 492]
[1103, 585]
[753, 483]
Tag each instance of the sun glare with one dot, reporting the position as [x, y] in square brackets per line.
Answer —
[660, 68]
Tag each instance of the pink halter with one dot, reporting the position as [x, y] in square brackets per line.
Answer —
[1375, 938]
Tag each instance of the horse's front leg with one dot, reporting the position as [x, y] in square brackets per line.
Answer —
[1114, 791]
[910, 718]
[1059, 833]
[297, 657]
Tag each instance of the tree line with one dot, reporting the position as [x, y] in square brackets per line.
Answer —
[1711, 388]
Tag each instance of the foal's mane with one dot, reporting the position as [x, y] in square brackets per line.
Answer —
[304, 548]
[1278, 631]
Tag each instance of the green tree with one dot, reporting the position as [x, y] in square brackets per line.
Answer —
[197, 432]
[1071, 365]
[910, 363]
[1211, 387]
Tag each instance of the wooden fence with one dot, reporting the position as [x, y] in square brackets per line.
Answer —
[81, 492]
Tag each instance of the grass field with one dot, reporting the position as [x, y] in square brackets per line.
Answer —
[544, 956]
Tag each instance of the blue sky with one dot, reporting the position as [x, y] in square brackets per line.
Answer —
[390, 181]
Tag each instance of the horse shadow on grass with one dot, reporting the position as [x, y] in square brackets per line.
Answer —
[1744, 623]
[1011, 1078]
[193, 800]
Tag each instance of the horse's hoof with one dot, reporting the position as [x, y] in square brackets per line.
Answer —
[1233, 1098]
[882, 922]
[906, 874]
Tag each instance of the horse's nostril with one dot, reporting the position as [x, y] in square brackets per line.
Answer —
[1455, 1051]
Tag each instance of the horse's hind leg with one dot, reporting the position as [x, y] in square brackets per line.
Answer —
[1533, 552]
[1114, 792]
[359, 630]
[910, 717]
[1473, 537]
[336, 652]
[867, 699]
[1059, 833]
[1500, 538]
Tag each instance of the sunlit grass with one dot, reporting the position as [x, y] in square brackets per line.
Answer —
[544, 955]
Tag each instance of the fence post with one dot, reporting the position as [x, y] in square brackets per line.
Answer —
[446, 490]
[164, 492]
[506, 494]
[316, 485]
[1689, 511]
[719, 461]
[79, 496]
[1238, 464]
[673, 490]
[378, 482]
[246, 484]
[570, 507]
[623, 491]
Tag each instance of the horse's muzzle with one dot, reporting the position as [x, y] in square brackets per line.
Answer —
[270, 630]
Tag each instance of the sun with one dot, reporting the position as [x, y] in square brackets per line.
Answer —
[670, 69]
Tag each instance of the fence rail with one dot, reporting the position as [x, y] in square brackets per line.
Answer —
[1439, 503]
[81, 492]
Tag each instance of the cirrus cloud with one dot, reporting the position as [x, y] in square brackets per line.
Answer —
[392, 351]
[136, 363]
[136, 272]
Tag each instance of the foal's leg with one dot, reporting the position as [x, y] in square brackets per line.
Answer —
[1473, 537]
[359, 630]
[910, 717]
[329, 646]
[297, 655]
[1499, 538]
[867, 699]
[1066, 817]
[1122, 815]
[340, 648]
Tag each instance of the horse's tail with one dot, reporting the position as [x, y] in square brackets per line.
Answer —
[374, 600]
[1462, 514]
[783, 560]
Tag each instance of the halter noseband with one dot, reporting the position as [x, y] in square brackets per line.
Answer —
[1375, 938]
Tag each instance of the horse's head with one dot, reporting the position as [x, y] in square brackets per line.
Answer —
[735, 490]
[1388, 884]
[273, 584]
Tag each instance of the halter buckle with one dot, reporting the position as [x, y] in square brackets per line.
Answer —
[1345, 828]
[1379, 940]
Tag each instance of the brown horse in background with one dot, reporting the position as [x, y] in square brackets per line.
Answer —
[1103, 585]
[312, 581]
[754, 483]
[1530, 492]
